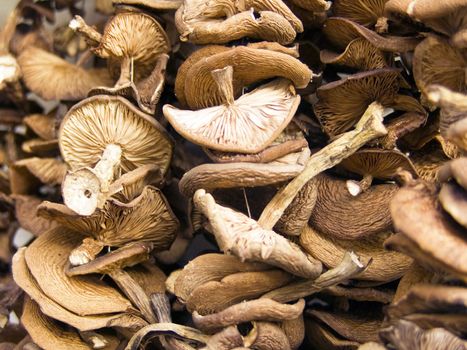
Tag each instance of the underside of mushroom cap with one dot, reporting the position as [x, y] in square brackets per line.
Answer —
[49, 76]
[364, 12]
[248, 125]
[94, 123]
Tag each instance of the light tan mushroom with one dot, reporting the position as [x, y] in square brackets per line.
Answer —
[25, 210]
[152, 5]
[365, 12]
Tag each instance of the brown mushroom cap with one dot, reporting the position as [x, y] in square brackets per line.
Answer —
[456, 169]
[364, 12]
[342, 102]
[313, 5]
[247, 125]
[147, 218]
[201, 90]
[46, 332]
[417, 216]
[385, 266]
[339, 214]
[42, 125]
[359, 54]
[99, 121]
[25, 210]
[437, 62]
[322, 337]
[47, 257]
[453, 198]
[341, 31]
[156, 5]
[49, 76]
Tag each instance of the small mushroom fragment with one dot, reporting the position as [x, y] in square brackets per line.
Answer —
[101, 138]
[247, 125]
[254, 310]
[236, 233]
[147, 218]
[49, 76]
[365, 12]
[385, 266]
[375, 163]
[201, 91]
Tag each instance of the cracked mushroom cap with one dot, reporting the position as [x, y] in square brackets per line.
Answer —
[47, 258]
[49, 76]
[437, 62]
[147, 218]
[342, 102]
[428, 229]
[99, 121]
[135, 36]
[341, 31]
[246, 125]
[250, 65]
[359, 54]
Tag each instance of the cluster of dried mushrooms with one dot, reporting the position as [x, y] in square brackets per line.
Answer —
[226, 174]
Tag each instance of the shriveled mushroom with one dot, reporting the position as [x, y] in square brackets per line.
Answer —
[114, 138]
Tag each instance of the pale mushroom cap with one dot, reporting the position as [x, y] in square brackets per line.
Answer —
[98, 121]
[249, 125]
[49, 76]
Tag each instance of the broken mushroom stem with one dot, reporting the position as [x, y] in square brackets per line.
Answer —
[107, 166]
[86, 252]
[368, 128]
[92, 36]
[126, 72]
[224, 80]
[355, 187]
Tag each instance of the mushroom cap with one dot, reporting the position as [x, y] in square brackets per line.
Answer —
[385, 265]
[456, 169]
[119, 259]
[49, 76]
[98, 121]
[340, 215]
[248, 125]
[134, 35]
[342, 102]
[359, 54]
[340, 31]
[321, 336]
[249, 65]
[453, 198]
[364, 12]
[147, 218]
[25, 210]
[47, 258]
[313, 5]
[228, 175]
[151, 4]
[379, 163]
[46, 332]
[42, 125]
[425, 9]
[437, 62]
[416, 215]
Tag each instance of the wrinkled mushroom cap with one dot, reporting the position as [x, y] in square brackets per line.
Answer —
[49, 76]
[98, 121]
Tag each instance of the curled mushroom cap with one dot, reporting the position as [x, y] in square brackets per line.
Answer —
[49, 76]
[242, 236]
[339, 214]
[343, 102]
[201, 90]
[94, 123]
[248, 124]
[437, 62]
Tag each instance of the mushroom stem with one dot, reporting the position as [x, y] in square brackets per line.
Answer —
[95, 340]
[134, 292]
[445, 98]
[151, 87]
[368, 128]
[224, 80]
[92, 36]
[349, 267]
[105, 169]
[355, 188]
[125, 72]
[86, 252]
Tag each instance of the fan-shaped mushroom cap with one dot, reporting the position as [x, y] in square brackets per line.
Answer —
[147, 218]
[47, 257]
[429, 230]
[385, 266]
[437, 62]
[50, 307]
[99, 121]
[342, 102]
[453, 198]
[228, 175]
[42, 125]
[46, 333]
[359, 54]
[156, 5]
[238, 234]
[341, 31]
[339, 214]
[49, 76]
[247, 125]
[249, 65]
[27, 174]
[368, 13]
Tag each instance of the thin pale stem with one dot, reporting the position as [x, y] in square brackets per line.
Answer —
[92, 36]
[126, 72]
[368, 128]
[105, 169]
[224, 80]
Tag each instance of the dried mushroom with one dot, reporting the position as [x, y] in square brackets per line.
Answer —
[364, 12]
